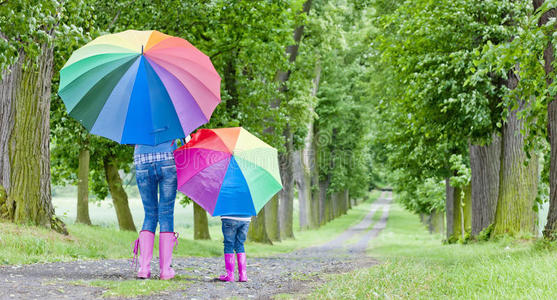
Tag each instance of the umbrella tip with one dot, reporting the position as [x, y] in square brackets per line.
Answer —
[141, 49]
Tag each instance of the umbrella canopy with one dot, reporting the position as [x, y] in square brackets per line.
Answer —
[140, 87]
[228, 171]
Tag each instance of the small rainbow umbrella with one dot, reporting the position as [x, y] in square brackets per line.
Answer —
[228, 171]
[140, 87]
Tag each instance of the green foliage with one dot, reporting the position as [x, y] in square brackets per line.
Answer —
[338, 35]
[430, 100]
[485, 234]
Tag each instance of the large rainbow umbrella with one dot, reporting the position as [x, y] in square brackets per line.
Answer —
[228, 171]
[140, 87]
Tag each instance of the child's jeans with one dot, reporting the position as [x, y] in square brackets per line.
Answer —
[235, 233]
[152, 178]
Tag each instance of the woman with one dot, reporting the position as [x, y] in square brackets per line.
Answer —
[156, 170]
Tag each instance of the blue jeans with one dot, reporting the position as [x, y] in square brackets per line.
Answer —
[235, 233]
[159, 175]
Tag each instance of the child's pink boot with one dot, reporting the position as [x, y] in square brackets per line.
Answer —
[229, 265]
[242, 276]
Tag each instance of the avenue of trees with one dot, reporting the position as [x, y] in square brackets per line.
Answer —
[465, 107]
[295, 73]
[452, 102]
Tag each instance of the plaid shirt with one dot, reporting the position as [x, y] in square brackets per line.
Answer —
[152, 157]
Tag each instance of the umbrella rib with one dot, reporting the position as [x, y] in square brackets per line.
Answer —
[130, 56]
[96, 84]
[182, 84]
[155, 52]
[213, 163]
[179, 67]
[78, 51]
[260, 167]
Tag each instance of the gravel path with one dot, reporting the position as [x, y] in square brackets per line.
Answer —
[292, 273]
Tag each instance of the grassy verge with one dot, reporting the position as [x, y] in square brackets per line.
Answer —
[28, 244]
[134, 288]
[416, 265]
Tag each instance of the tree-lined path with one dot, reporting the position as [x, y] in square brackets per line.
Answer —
[292, 273]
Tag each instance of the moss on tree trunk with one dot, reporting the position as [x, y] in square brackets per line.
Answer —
[437, 222]
[119, 196]
[272, 220]
[83, 187]
[518, 185]
[462, 212]
[286, 195]
[257, 231]
[25, 157]
[200, 223]
[303, 183]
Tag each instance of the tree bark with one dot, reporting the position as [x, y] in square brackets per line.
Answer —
[286, 195]
[518, 183]
[449, 207]
[550, 230]
[24, 141]
[324, 203]
[485, 163]
[303, 165]
[436, 222]
[119, 196]
[272, 219]
[200, 223]
[347, 200]
[315, 202]
[257, 231]
[83, 187]
[302, 179]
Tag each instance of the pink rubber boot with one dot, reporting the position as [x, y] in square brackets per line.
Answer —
[229, 265]
[167, 241]
[242, 276]
[145, 245]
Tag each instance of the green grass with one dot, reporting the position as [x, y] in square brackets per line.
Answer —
[28, 244]
[134, 288]
[416, 265]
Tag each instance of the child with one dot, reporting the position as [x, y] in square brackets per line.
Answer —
[235, 230]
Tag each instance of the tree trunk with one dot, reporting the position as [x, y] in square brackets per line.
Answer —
[302, 179]
[303, 166]
[347, 200]
[550, 230]
[436, 222]
[450, 195]
[272, 219]
[83, 187]
[334, 205]
[119, 196]
[24, 141]
[257, 231]
[286, 195]
[518, 183]
[485, 163]
[324, 203]
[200, 223]
[315, 202]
